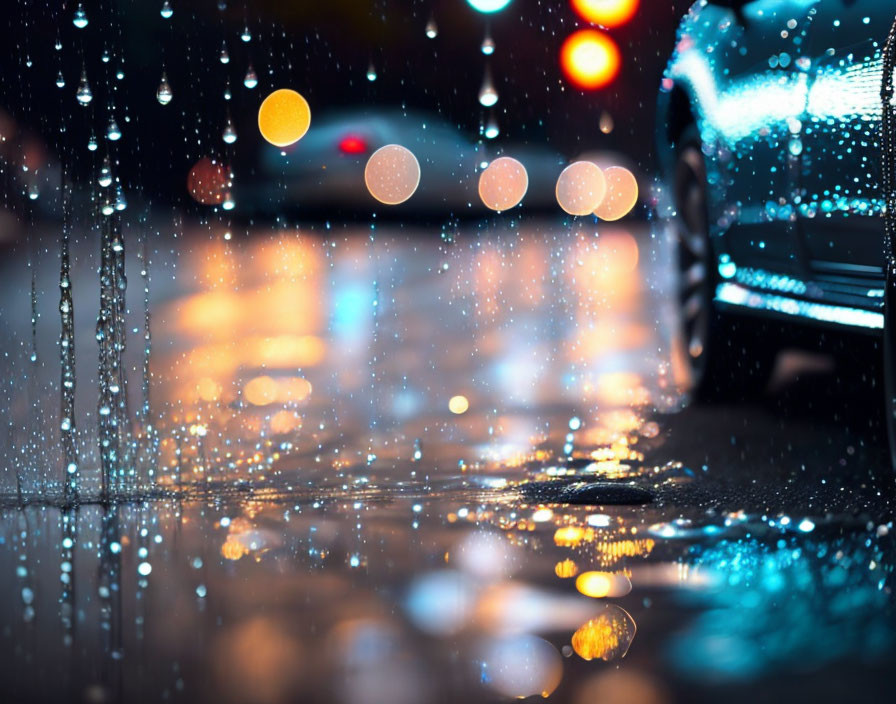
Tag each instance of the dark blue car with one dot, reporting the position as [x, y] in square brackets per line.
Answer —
[774, 131]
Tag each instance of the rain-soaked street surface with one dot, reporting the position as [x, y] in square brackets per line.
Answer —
[410, 465]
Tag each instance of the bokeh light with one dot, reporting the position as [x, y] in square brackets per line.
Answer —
[284, 117]
[590, 59]
[581, 188]
[565, 569]
[488, 6]
[503, 183]
[603, 584]
[607, 636]
[458, 405]
[392, 174]
[608, 13]
[207, 182]
[621, 195]
[522, 666]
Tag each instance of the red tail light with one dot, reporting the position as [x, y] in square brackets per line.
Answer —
[353, 144]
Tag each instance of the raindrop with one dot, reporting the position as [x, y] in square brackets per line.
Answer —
[60, 80]
[246, 36]
[227, 94]
[84, 94]
[166, 10]
[488, 45]
[113, 132]
[229, 135]
[488, 96]
[91, 143]
[606, 123]
[58, 44]
[80, 18]
[164, 94]
[224, 56]
[105, 179]
[120, 201]
[251, 79]
[105, 56]
[432, 30]
[491, 128]
[371, 73]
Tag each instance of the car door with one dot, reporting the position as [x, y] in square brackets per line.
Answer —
[841, 206]
[742, 64]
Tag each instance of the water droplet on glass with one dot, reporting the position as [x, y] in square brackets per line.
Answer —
[84, 94]
[224, 56]
[371, 73]
[58, 44]
[229, 135]
[488, 96]
[491, 128]
[60, 80]
[113, 133]
[105, 56]
[91, 143]
[606, 123]
[166, 10]
[227, 94]
[488, 45]
[120, 201]
[164, 94]
[432, 30]
[251, 79]
[80, 18]
[105, 178]
[246, 35]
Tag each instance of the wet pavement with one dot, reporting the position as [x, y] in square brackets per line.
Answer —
[432, 465]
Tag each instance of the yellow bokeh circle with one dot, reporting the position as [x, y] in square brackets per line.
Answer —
[284, 117]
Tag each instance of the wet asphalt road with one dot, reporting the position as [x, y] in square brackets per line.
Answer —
[337, 531]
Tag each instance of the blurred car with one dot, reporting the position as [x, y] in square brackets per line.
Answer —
[770, 122]
[324, 172]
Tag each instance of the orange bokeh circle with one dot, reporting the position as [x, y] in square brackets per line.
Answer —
[607, 13]
[208, 181]
[590, 59]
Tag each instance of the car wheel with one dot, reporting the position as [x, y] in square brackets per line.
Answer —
[723, 363]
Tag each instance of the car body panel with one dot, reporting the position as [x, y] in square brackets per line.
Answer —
[841, 206]
[803, 239]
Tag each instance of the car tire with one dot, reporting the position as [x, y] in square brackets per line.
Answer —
[724, 361]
